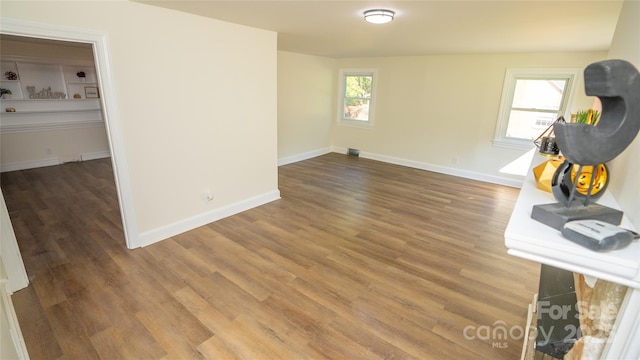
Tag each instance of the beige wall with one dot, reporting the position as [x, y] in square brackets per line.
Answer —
[196, 101]
[306, 88]
[625, 169]
[199, 126]
[435, 107]
[432, 108]
[429, 108]
[62, 145]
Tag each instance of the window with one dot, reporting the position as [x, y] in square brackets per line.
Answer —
[532, 99]
[355, 104]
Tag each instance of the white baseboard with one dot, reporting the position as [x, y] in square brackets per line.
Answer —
[165, 232]
[94, 155]
[50, 162]
[29, 165]
[438, 168]
[304, 156]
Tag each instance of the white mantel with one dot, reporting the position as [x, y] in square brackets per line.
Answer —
[530, 239]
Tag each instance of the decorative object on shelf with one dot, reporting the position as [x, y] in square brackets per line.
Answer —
[91, 92]
[82, 76]
[77, 96]
[617, 84]
[5, 93]
[598, 235]
[588, 147]
[10, 109]
[544, 172]
[546, 142]
[45, 93]
[11, 75]
[589, 117]
[589, 181]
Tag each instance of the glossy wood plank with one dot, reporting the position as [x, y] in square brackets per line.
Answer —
[358, 260]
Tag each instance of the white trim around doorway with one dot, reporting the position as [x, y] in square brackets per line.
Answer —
[101, 52]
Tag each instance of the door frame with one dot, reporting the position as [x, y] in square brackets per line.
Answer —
[110, 112]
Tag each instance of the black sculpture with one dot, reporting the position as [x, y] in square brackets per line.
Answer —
[617, 84]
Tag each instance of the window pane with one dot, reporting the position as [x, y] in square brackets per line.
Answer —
[538, 94]
[528, 124]
[357, 103]
[358, 86]
[356, 109]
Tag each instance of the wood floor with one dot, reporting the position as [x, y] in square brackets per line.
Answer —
[358, 260]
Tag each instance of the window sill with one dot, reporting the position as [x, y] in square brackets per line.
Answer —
[356, 123]
[514, 144]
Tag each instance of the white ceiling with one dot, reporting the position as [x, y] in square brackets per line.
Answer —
[422, 27]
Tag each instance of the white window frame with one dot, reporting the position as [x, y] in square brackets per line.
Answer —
[341, 96]
[512, 74]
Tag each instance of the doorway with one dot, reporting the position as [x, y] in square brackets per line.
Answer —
[98, 42]
[51, 117]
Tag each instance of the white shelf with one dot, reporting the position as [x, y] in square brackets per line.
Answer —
[37, 106]
[27, 101]
[57, 74]
[18, 112]
[530, 239]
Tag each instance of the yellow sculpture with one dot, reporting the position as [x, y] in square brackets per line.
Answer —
[544, 173]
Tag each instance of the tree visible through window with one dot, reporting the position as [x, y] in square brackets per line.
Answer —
[356, 97]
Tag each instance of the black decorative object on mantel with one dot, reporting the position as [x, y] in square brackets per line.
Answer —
[11, 75]
[617, 84]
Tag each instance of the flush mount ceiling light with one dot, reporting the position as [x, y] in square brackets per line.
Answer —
[378, 16]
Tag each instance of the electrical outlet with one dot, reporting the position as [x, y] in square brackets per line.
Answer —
[208, 195]
[454, 160]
